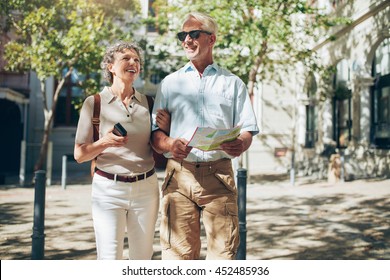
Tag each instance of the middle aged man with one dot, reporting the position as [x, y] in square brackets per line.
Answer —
[201, 94]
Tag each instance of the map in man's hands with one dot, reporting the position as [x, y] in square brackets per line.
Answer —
[208, 139]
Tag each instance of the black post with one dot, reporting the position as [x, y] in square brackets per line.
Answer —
[241, 186]
[38, 236]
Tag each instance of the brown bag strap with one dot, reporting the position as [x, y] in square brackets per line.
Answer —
[150, 103]
[96, 117]
[95, 123]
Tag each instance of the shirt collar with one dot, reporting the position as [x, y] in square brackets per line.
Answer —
[189, 67]
[108, 97]
[137, 95]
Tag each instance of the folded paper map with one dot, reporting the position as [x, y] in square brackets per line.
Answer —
[208, 139]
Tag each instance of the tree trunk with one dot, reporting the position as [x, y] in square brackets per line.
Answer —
[44, 146]
[255, 69]
[49, 116]
[252, 79]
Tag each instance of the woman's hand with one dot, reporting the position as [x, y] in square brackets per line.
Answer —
[88, 151]
[112, 140]
[163, 120]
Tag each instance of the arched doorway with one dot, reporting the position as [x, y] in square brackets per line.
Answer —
[12, 130]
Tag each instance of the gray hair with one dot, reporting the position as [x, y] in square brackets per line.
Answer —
[208, 23]
[109, 57]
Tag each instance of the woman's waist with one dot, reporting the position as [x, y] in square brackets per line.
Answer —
[125, 166]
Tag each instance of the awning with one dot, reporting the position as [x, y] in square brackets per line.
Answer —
[14, 96]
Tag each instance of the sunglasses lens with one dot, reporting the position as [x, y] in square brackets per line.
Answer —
[194, 34]
[182, 35]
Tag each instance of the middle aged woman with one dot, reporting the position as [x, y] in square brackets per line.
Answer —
[125, 192]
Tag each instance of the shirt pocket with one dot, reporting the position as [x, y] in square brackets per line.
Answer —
[219, 109]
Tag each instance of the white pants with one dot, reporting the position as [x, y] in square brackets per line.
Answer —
[116, 206]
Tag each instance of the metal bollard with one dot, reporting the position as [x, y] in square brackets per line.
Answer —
[38, 236]
[241, 186]
[342, 175]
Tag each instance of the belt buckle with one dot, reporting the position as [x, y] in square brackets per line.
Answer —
[135, 178]
[131, 179]
[141, 176]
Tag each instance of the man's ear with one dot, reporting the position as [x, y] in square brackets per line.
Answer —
[213, 39]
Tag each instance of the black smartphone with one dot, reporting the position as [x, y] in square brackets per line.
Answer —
[119, 130]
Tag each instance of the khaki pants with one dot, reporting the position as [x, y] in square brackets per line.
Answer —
[192, 189]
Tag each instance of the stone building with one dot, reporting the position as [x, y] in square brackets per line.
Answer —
[312, 118]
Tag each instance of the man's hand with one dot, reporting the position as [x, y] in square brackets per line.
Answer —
[179, 150]
[176, 146]
[236, 147]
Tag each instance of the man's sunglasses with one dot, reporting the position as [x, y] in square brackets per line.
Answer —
[194, 34]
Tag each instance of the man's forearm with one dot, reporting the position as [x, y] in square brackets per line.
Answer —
[161, 142]
[247, 139]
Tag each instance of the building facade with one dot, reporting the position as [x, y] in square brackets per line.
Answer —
[312, 122]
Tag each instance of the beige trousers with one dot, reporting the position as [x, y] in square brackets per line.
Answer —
[189, 191]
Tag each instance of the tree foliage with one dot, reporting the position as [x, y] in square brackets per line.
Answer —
[257, 39]
[54, 37]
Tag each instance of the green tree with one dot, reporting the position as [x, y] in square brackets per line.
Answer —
[54, 37]
[258, 39]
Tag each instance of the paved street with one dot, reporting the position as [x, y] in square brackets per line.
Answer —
[302, 222]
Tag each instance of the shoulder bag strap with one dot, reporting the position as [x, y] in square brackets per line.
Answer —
[150, 103]
[96, 117]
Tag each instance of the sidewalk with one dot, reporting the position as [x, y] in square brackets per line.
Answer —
[302, 222]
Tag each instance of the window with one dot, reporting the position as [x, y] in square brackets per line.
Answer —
[71, 92]
[342, 105]
[311, 112]
[152, 14]
[380, 96]
[157, 76]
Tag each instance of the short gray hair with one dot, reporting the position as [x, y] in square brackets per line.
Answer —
[208, 23]
[109, 56]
